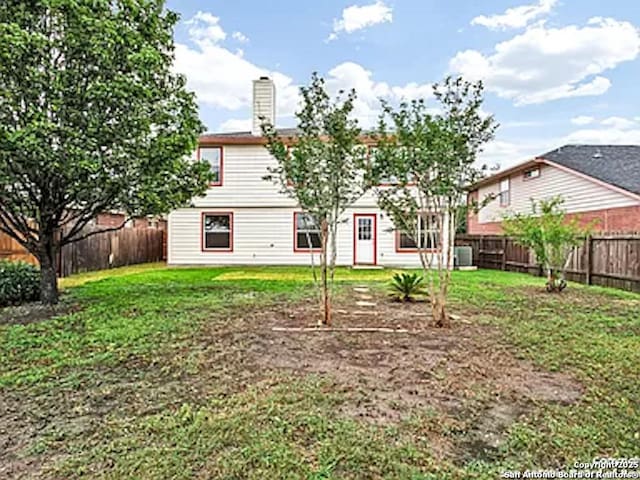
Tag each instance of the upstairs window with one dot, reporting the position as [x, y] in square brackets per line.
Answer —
[428, 235]
[531, 173]
[505, 192]
[213, 156]
[217, 232]
[306, 234]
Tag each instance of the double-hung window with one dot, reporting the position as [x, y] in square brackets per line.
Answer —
[213, 156]
[306, 234]
[505, 192]
[217, 232]
[427, 231]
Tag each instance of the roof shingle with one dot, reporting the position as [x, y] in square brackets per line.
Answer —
[617, 165]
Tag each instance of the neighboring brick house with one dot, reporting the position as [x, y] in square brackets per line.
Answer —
[597, 182]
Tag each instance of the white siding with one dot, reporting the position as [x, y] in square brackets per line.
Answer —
[264, 236]
[244, 167]
[580, 194]
[263, 220]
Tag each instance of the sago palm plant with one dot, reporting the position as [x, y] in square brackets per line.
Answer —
[405, 287]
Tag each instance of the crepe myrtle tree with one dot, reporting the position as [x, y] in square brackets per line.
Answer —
[421, 167]
[322, 170]
[92, 119]
[551, 235]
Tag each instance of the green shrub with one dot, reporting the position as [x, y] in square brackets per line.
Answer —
[406, 286]
[19, 283]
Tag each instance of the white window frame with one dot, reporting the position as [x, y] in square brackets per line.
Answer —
[424, 235]
[228, 230]
[216, 166]
[505, 193]
[296, 232]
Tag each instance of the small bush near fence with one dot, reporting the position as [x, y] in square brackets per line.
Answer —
[19, 283]
[605, 259]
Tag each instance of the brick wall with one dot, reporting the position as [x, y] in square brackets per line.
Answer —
[623, 219]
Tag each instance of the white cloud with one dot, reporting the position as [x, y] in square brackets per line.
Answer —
[516, 17]
[205, 29]
[544, 64]
[620, 123]
[231, 89]
[582, 120]
[605, 136]
[344, 77]
[349, 75]
[236, 125]
[508, 152]
[503, 153]
[240, 37]
[358, 17]
[222, 78]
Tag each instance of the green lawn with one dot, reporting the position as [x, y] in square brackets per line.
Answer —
[141, 380]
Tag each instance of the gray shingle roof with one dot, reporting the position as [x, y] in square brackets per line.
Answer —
[285, 132]
[618, 165]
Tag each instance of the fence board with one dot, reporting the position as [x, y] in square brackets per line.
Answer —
[608, 260]
[12, 250]
[128, 246]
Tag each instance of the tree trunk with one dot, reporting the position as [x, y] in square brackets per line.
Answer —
[552, 281]
[439, 312]
[48, 275]
[326, 300]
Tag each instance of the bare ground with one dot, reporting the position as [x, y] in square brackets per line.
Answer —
[34, 312]
[463, 373]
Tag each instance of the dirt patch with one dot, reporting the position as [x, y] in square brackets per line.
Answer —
[35, 312]
[389, 377]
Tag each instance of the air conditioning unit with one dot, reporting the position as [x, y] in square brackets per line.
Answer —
[462, 256]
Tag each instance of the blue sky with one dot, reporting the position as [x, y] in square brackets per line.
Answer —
[556, 71]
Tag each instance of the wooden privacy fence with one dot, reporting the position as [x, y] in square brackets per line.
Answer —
[127, 246]
[609, 260]
[12, 250]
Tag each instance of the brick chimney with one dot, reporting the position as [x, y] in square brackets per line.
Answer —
[264, 104]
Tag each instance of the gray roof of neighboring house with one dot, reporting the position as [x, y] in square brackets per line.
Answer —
[617, 165]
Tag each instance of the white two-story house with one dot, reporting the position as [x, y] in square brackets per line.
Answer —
[245, 220]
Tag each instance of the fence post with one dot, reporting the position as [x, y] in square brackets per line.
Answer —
[589, 259]
[503, 266]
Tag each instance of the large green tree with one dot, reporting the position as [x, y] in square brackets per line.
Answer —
[424, 162]
[92, 118]
[322, 169]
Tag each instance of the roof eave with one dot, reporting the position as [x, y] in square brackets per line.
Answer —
[222, 140]
[504, 173]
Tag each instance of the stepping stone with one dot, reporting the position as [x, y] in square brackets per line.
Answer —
[362, 303]
[361, 290]
[365, 297]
